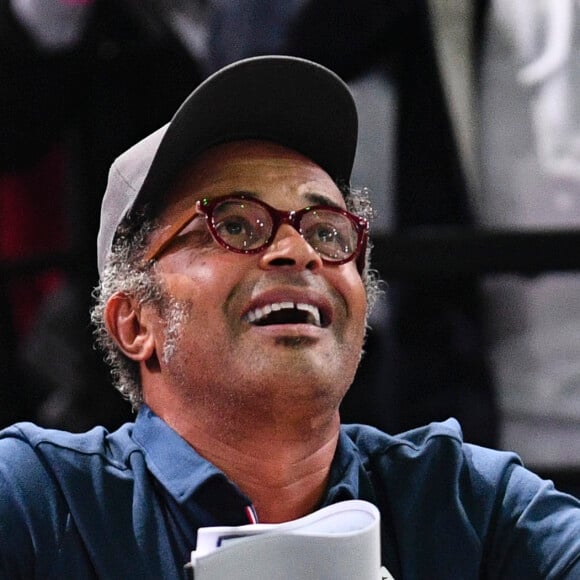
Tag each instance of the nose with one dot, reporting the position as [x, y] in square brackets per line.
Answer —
[290, 250]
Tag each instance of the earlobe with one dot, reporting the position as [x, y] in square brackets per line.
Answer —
[128, 327]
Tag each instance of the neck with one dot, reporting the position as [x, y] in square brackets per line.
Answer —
[282, 466]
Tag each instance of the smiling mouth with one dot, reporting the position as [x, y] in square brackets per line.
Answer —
[286, 313]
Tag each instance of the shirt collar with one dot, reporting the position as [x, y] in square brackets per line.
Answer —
[182, 471]
[349, 475]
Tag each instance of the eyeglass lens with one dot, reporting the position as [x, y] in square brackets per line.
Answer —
[242, 224]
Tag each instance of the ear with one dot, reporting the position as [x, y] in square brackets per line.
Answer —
[129, 327]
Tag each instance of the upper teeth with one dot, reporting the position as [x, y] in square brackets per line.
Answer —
[259, 313]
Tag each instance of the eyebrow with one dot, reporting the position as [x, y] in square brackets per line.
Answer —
[311, 197]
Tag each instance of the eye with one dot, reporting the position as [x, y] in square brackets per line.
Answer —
[329, 233]
[242, 225]
[233, 226]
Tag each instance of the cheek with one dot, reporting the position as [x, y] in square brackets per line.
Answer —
[202, 296]
[350, 285]
[357, 314]
[207, 285]
[200, 280]
[360, 298]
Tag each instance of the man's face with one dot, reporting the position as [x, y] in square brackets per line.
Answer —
[229, 349]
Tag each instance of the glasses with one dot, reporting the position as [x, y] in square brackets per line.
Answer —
[248, 226]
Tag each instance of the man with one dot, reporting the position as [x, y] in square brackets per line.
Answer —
[234, 294]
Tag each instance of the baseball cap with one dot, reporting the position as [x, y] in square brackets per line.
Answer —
[290, 101]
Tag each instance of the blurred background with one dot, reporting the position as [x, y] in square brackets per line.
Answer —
[470, 145]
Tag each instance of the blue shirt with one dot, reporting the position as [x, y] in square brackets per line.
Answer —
[128, 504]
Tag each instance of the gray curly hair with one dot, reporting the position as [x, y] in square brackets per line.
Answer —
[125, 272]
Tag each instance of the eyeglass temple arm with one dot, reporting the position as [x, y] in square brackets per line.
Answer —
[169, 234]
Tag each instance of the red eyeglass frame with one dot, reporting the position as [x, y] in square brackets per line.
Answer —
[205, 208]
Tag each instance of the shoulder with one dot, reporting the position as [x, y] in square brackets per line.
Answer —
[33, 513]
[431, 475]
[416, 444]
[47, 475]
[27, 440]
[437, 452]
[434, 463]
[36, 463]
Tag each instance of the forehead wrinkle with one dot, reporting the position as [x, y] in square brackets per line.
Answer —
[321, 199]
[311, 197]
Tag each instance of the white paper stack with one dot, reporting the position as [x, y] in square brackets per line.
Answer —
[338, 542]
